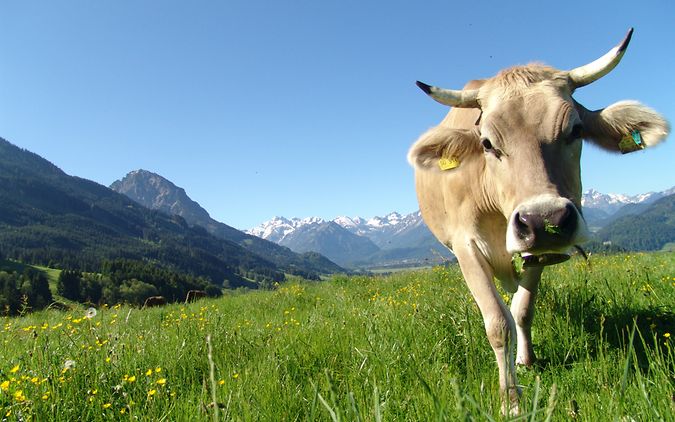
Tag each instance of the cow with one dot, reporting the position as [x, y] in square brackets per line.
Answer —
[498, 182]
[193, 295]
[154, 301]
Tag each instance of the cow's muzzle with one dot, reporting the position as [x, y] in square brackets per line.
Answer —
[545, 224]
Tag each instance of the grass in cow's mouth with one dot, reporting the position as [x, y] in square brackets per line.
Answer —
[518, 263]
[551, 228]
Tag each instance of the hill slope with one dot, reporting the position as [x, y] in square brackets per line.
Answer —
[47, 216]
[649, 230]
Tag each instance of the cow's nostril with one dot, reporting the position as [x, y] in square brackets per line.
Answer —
[564, 219]
[523, 225]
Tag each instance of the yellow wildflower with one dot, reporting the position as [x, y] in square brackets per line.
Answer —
[152, 392]
[18, 396]
[107, 405]
[161, 381]
[666, 335]
[148, 372]
[158, 369]
[14, 370]
[221, 382]
[4, 386]
[131, 378]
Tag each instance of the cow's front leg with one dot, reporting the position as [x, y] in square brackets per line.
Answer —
[499, 324]
[522, 309]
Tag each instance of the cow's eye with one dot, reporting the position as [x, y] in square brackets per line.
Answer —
[576, 133]
[486, 144]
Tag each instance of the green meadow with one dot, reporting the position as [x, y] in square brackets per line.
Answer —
[399, 347]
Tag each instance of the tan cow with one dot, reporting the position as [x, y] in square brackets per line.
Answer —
[499, 179]
[193, 295]
[154, 301]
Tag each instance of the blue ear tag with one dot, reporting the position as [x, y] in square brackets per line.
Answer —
[632, 142]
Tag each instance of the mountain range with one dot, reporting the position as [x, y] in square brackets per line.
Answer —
[601, 209]
[157, 193]
[392, 240]
[396, 240]
[48, 217]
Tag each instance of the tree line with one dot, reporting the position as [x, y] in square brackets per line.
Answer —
[132, 282]
[23, 292]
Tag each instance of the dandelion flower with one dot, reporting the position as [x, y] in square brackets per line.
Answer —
[158, 369]
[91, 312]
[666, 335]
[131, 378]
[14, 370]
[107, 405]
[148, 372]
[4, 385]
[221, 382]
[161, 381]
[152, 392]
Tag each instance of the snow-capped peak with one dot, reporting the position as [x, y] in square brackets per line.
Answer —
[611, 202]
[348, 222]
[278, 228]
[374, 228]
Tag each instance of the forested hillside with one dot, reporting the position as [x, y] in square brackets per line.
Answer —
[50, 218]
[648, 230]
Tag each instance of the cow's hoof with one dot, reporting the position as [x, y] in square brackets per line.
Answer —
[511, 409]
[526, 361]
[510, 402]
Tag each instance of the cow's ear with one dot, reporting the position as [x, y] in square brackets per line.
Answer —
[442, 148]
[625, 126]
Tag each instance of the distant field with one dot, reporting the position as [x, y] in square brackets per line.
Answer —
[407, 346]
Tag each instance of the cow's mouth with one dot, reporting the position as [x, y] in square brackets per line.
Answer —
[522, 260]
[543, 260]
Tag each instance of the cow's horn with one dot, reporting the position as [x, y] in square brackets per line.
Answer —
[467, 98]
[591, 72]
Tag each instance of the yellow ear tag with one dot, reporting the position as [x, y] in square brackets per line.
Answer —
[448, 163]
[632, 142]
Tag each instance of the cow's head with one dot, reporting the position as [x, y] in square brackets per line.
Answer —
[528, 143]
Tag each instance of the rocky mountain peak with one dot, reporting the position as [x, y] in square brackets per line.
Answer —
[155, 192]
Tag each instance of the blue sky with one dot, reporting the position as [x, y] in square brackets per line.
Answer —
[301, 108]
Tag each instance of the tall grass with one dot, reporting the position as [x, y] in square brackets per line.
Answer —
[408, 346]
